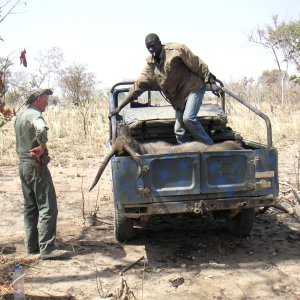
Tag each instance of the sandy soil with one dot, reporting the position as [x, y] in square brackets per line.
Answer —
[184, 258]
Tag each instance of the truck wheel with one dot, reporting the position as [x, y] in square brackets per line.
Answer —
[241, 225]
[123, 226]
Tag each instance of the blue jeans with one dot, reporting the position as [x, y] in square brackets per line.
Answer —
[186, 120]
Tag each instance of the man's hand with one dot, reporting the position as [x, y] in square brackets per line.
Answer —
[114, 112]
[38, 151]
[212, 78]
[216, 90]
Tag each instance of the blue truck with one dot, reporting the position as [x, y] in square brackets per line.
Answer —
[227, 184]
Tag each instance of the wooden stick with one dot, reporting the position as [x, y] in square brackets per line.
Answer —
[131, 265]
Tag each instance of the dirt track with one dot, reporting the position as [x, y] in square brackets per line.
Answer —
[206, 260]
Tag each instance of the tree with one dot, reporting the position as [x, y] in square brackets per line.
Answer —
[5, 74]
[50, 62]
[15, 86]
[269, 77]
[283, 40]
[8, 7]
[287, 39]
[79, 86]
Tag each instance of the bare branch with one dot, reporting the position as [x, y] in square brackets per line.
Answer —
[10, 10]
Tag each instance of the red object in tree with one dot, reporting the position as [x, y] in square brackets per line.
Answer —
[6, 112]
[23, 58]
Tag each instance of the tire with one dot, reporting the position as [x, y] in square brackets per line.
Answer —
[241, 225]
[123, 226]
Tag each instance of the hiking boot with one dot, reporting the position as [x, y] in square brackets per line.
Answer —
[33, 254]
[56, 254]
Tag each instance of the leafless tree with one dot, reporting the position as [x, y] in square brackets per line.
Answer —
[49, 64]
[282, 39]
[8, 8]
[79, 86]
[5, 74]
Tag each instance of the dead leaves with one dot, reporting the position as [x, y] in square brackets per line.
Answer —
[7, 113]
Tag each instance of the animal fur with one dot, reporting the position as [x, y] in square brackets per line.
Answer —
[125, 143]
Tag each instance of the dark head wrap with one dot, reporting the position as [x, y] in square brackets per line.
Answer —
[151, 37]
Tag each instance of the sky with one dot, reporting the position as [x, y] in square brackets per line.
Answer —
[108, 36]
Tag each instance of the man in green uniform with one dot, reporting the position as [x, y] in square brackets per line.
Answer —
[40, 205]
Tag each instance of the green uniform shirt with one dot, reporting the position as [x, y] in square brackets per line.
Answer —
[31, 131]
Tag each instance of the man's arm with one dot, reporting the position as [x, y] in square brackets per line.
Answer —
[132, 95]
[144, 83]
[41, 133]
[38, 151]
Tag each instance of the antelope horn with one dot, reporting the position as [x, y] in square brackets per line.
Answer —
[102, 168]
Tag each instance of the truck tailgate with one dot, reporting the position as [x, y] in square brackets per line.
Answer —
[183, 174]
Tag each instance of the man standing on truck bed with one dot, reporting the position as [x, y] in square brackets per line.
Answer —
[182, 77]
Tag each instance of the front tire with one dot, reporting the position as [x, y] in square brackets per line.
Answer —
[241, 225]
[123, 226]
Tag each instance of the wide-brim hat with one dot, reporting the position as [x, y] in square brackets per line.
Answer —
[36, 94]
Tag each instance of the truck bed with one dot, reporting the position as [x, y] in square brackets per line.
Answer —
[213, 177]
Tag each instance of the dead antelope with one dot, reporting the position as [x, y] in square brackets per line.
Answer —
[125, 143]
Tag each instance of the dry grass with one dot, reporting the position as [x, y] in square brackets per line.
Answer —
[67, 136]
[284, 119]
[69, 140]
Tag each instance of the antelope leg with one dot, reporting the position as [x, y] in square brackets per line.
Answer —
[135, 156]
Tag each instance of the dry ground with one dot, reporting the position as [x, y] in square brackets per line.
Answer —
[206, 260]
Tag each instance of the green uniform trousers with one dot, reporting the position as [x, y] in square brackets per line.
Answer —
[40, 207]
